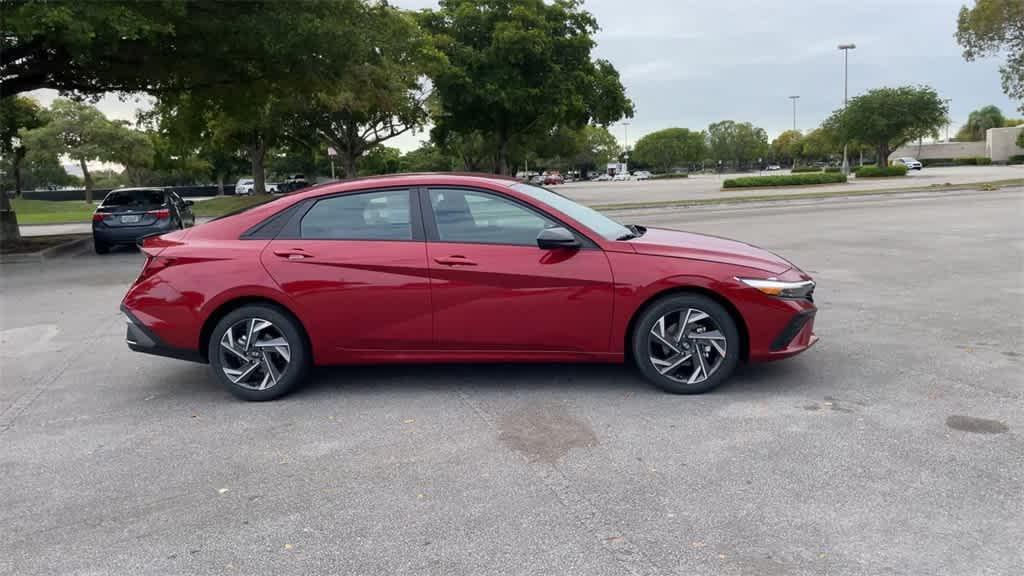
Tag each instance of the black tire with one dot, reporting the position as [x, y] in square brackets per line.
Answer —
[297, 367]
[100, 247]
[642, 341]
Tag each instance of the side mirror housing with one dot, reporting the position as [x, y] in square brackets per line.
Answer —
[557, 237]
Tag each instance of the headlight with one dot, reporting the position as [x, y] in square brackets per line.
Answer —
[801, 289]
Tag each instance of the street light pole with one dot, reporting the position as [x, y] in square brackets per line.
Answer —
[948, 119]
[794, 99]
[846, 91]
[625, 149]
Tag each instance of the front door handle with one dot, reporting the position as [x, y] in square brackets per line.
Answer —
[455, 260]
[293, 254]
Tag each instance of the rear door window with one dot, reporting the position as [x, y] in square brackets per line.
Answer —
[381, 215]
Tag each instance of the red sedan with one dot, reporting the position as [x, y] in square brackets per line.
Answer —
[447, 268]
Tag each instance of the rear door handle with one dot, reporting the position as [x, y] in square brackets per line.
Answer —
[455, 261]
[293, 254]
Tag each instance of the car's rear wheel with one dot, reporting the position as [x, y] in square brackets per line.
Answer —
[99, 246]
[686, 343]
[258, 352]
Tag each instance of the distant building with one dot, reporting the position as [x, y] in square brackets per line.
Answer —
[999, 145]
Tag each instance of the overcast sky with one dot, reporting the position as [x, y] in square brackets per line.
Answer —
[689, 63]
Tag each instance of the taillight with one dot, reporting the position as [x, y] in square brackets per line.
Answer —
[161, 213]
[98, 217]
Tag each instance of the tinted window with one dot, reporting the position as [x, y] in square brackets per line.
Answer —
[369, 216]
[135, 199]
[476, 217]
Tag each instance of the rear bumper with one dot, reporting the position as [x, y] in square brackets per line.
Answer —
[141, 339]
[129, 234]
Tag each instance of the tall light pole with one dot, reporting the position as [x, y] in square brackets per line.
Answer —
[625, 148]
[846, 92]
[794, 99]
[948, 119]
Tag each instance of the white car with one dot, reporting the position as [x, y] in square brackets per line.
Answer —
[641, 175]
[621, 177]
[910, 163]
[602, 178]
[245, 186]
[773, 167]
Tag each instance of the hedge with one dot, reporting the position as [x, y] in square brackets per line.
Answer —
[669, 176]
[784, 180]
[833, 169]
[803, 169]
[1018, 159]
[926, 162]
[876, 172]
[974, 161]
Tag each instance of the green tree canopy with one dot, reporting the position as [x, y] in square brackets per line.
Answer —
[887, 118]
[995, 27]
[381, 97]
[519, 67]
[980, 121]
[739, 142]
[427, 158]
[670, 148]
[84, 134]
[17, 113]
[788, 147]
[168, 46]
[819, 144]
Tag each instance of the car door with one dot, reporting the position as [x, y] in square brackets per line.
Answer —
[356, 264]
[492, 287]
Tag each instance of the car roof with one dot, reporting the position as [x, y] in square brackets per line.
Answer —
[409, 179]
[138, 189]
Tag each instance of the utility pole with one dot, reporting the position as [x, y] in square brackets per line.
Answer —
[794, 99]
[948, 119]
[846, 91]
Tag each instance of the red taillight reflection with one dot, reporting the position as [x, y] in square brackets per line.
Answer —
[97, 217]
[161, 213]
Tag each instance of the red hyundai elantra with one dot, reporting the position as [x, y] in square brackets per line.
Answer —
[454, 268]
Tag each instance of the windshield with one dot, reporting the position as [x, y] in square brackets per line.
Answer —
[608, 229]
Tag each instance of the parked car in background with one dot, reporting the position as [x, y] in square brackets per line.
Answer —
[641, 175]
[621, 177]
[552, 179]
[292, 183]
[537, 179]
[910, 163]
[773, 167]
[452, 268]
[127, 214]
[246, 186]
[603, 178]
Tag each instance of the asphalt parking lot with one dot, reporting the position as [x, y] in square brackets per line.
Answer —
[892, 447]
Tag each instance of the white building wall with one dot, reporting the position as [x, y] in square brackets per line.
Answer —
[999, 145]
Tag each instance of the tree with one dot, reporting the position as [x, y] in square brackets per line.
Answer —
[168, 46]
[670, 148]
[996, 27]
[16, 114]
[788, 147]
[519, 68]
[1020, 139]
[426, 158]
[597, 148]
[381, 96]
[887, 118]
[819, 144]
[739, 142]
[381, 160]
[84, 134]
[979, 121]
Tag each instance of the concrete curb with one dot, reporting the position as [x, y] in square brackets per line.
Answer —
[72, 247]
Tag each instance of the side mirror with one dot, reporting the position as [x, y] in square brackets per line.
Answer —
[557, 237]
[189, 203]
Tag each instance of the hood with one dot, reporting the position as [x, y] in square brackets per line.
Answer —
[676, 244]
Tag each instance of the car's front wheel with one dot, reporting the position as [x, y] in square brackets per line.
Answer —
[686, 343]
[258, 352]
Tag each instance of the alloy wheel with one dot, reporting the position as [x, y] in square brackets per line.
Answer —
[687, 346]
[254, 353]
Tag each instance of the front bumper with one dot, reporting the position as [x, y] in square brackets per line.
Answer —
[141, 339]
[798, 335]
